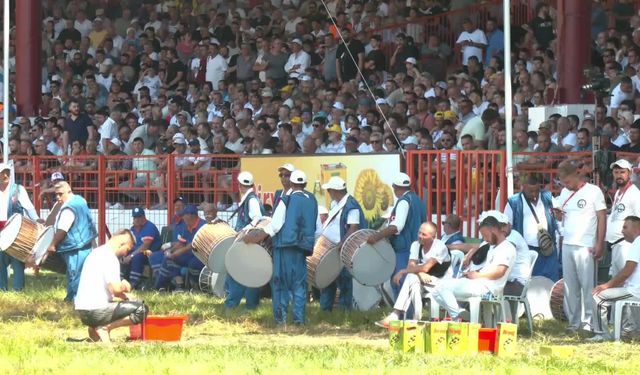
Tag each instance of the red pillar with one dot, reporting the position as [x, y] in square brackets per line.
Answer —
[574, 47]
[28, 56]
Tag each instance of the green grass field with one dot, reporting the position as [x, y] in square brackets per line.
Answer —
[35, 327]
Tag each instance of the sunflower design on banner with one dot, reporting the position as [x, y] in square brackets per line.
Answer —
[375, 197]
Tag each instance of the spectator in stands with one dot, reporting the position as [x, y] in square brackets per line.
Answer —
[472, 41]
[634, 139]
[583, 141]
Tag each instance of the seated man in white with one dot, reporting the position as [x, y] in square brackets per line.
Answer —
[493, 275]
[429, 260]
[624, 285]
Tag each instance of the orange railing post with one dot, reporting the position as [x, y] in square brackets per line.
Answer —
[171, 182]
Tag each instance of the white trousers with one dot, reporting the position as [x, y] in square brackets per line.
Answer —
[446, 294]
[410, 293]
[603, 301]
[578, 271]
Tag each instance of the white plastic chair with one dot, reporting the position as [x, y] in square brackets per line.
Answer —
[522, 298]
[617, 312]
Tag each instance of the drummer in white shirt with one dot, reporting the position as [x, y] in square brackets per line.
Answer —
[429, 261]
[624, 285]
[345, 218]
[626, 202]
[582, 211]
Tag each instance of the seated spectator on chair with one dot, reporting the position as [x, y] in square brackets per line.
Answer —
[147, 242]
[451, 229]
[624, 285]
[180, 254]
[429, 261]
[488, 280]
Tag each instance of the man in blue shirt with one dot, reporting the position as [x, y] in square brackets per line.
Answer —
[147, 242]
[180, 255]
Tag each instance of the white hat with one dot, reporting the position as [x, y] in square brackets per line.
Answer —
[298, 177]
[4, 167]
[245, 178]
[296, 40]
[499, 216]
[402, 180]
[382, 101]
[179, 139]
[338, 105]
[322, 210]
[335, 183]
[411, 60]
[116, 142]
[57, 176]
[622, 163]
[287, 166]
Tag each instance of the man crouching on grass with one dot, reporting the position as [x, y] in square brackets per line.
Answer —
[100, 283]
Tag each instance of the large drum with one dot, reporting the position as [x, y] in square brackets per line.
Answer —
[371, 265]
[556, 301]
[324, 265]
[211, 243]
[250, 264]
[211, 282]
[52, 262]
[539, 295]
[366, 298]
[19, 236]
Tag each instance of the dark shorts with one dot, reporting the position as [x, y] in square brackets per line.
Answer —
[135, 310]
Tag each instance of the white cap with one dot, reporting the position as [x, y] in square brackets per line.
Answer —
[499, 216]
[622, 163]
[402, 180]
[322, 210]
[297, 41]
[179, 139]
[338, 105]
[287, 166]
[4, 167]
[116, 142]
[411, 60]
[335, 183]
[57, 176]
[382, 101]
[298, 177]
[245, 178]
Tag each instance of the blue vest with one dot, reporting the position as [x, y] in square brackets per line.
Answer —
[14, 206]
[415, 217]
[300, 222]
[456, 237]
[351, 204]
[82, 231]
[517, 207]
[243, 212]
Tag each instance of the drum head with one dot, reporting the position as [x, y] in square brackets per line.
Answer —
[328, 269]
[42, 244]
[365, 298]
[218, 254]
[374, 264]
[10, 231]
[217, 280]
[249, 264]
[538, 295]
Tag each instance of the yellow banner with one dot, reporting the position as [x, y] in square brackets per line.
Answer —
[368, 178]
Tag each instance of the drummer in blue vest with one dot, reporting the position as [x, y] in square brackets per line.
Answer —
[147, 242]
[405, 220]
[250, 211]
[180, 256]
[284, 173]
[74, 234]
[345, 217]
[293, 231]
[13, 200]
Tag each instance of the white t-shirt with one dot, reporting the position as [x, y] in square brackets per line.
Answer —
[437, 251]
[522, 268]
[633, 282]
[216, 67]
[624, 205]
[579, 224]
[529, 225]
[22, 197]
[477, 36]
[503, 254]
[568, 140]
[617, 96]
[108, 130]
[100, 269]
[332, 225]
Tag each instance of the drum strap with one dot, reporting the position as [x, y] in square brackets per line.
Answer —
[438, 270]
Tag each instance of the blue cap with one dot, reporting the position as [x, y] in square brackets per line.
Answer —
[137, 212]
[189, 210]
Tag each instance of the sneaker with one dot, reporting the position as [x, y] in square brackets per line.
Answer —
[600, 337]
[384, 323]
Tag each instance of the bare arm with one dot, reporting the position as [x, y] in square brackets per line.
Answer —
[619, 279]
[493, 273]
[600, 232]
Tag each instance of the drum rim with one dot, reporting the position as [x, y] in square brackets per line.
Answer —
[5, 231]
